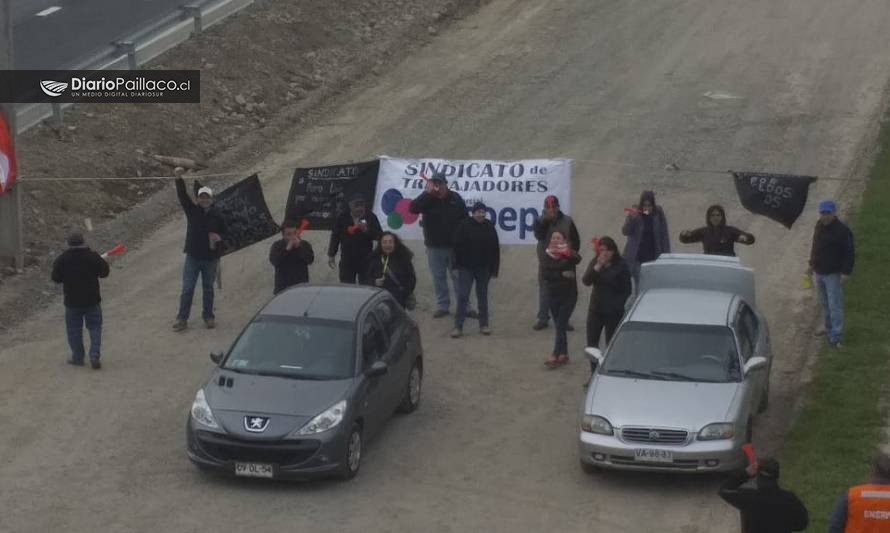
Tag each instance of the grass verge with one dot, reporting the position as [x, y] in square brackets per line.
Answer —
[842, 422]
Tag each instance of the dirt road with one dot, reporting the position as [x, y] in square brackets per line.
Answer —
[493, 446]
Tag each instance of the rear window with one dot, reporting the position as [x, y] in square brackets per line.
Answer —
[300, 348]
[676, 352]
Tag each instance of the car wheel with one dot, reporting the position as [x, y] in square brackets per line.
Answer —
[412, 393]
[589, 468]
[352, 456]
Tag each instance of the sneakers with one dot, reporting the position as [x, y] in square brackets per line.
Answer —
[456, 333]
[439, 313]
[180, 325]
[835, 343]
[74, 362]
[473, 314]
[95, 364]
[552, 362]
[485, 330]
[539, 326]
[562, 359]
[210, 323]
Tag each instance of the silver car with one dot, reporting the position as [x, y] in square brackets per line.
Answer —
[687, 370]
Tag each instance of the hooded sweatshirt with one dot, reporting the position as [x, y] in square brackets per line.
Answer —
[719, 239]
[647, 235]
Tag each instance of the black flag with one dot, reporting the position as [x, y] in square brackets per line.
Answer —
[318, 194]
[780, 197]
[246, 214]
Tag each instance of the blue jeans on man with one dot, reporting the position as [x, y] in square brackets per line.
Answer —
[439, 260]
[206, 268]
[75, 320]
[831, 294]
[466, 277]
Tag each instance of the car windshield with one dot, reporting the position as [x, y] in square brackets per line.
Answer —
[298, 348]
[675, 352]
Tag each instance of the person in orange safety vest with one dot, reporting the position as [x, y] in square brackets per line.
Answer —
[865, 508]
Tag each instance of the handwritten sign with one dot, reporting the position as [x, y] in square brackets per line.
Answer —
[319, 194]
[780, 197]
[246, 214]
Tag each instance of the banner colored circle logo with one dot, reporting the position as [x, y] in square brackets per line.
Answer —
[397, 209]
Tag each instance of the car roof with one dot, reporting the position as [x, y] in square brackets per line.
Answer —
[683, 306]
[331, 302]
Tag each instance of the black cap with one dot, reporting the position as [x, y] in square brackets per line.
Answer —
[768, 467]
[356, 197]
[439, 176]
[75, 238]
[477, 206]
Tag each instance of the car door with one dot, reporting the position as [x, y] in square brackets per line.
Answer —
[375, 404]
[391, 317]
[747, 338]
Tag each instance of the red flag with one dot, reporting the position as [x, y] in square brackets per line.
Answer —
[749, 453]
[7, 157]
[117, 251]
[304, 225]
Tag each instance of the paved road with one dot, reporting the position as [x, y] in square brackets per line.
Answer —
[52, 40]
[493, 446]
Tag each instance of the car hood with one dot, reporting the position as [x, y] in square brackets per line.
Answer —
[653, 403]
[273, 395]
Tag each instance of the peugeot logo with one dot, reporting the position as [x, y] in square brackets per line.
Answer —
[256, 424]
[53, 88]
[654, 435]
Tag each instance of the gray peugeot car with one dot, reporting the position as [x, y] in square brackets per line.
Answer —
[314, 375]
[685, 374]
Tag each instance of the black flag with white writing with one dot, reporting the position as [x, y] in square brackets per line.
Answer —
[319, 194]
[244, 210]
[780, 197]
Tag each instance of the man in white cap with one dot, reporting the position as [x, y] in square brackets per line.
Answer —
[204, 231]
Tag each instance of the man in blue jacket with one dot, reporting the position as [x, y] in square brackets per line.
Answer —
[831, 260]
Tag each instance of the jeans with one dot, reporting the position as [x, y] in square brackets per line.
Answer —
[543, 302]
[75, 319]
[466, 277]
[595, 324]
[561, 307]
[206, 268]
[439, 260]
[831, 293]
[351, 272]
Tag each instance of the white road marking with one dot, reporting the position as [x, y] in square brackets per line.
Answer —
[48, 11]
[721, 95]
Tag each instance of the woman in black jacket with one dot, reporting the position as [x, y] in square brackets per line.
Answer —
[391, 267]
[716, 237]
[558, 264]
[610, 277]
[477, 258]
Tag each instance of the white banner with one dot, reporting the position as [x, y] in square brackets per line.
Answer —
[513, 191]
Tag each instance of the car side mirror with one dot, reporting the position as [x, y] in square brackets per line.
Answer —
[594, 355]
[754, 363]
[216, 357]
[378, 368]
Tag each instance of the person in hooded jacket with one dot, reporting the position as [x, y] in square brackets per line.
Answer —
[610, 277]
[558, 273]
[716, 237]
[79, 269]
[646, 229]
[477, 258]
[552, 219]
[391, 267]
[291, 257]
[355, 232]
[763, 505]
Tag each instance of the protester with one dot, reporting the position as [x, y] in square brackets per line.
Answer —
[355, 232]
[865, 508]
[716, 237]
[831, 260]
[763, 505]
[204, 231]
[646, 229]
[477, 258]
[610, 277]
[551, 219]
[391, 267]
[558, 273]
[78, 269]
[442, 210]
[291, 257]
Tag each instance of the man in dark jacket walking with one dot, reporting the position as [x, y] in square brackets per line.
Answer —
[355, 232]
[646, 229]
[551, 219]
[78, 269]
[831, 260]
[442, 210]
[291, 257]
[477, 258]
[716, 237]
[764, 506]
[203, 234]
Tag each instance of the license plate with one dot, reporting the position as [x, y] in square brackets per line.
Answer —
[650, 455]
[253, 470]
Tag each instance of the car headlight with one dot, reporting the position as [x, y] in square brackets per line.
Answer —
[201, 412]
[325, 421]
[719, 431]
[596, 424]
